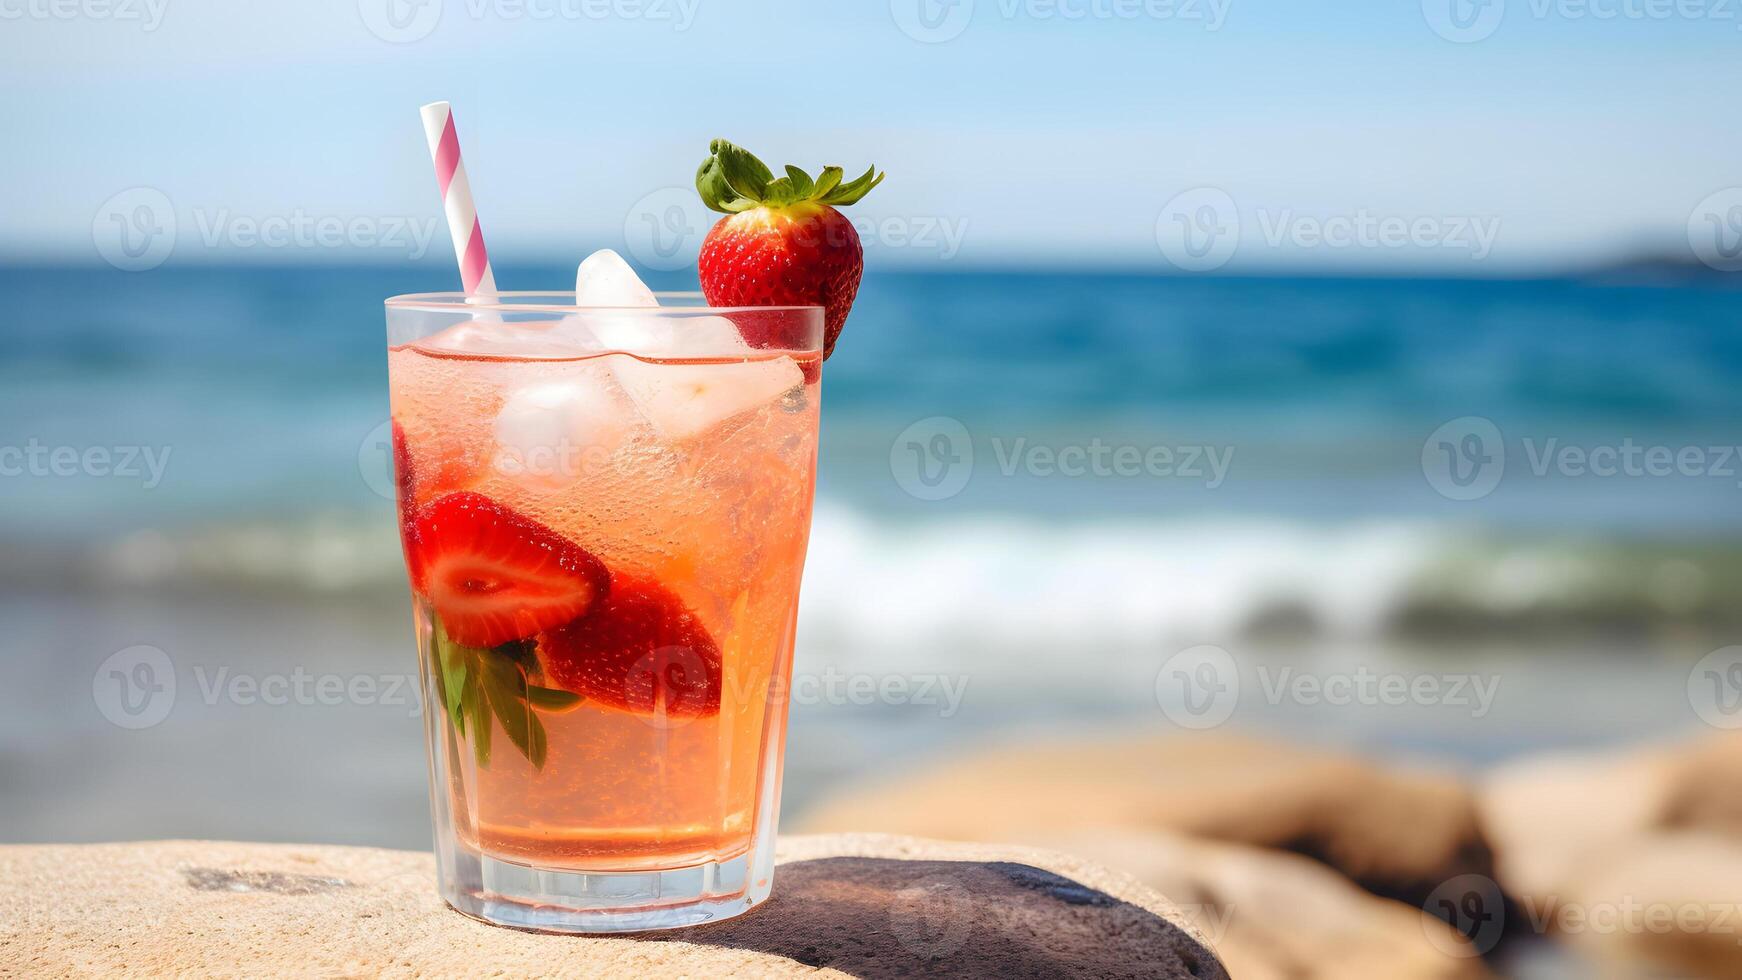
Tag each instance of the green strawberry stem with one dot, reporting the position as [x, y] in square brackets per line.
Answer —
[731, 180]
[475, 684]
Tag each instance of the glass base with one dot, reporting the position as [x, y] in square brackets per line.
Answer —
[524, 897]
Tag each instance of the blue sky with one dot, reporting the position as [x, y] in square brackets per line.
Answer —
[1036, 131]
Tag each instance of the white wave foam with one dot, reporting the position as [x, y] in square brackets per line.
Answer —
[1023, 584]
[993, 591]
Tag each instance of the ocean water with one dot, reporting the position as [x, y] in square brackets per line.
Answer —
[1279, 507]
[1290, 418]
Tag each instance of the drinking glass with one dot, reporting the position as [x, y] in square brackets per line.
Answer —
[605, 513]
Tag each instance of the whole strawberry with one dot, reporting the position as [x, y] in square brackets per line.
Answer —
[782, 243]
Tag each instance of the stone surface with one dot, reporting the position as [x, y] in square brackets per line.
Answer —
[1667, 904]
[1632, 857]
[1398, 834]
[1705, 789]
[844, 905]
[1277, 916]
[1550, 816]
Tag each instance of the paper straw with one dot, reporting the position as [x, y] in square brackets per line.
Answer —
[444, 148]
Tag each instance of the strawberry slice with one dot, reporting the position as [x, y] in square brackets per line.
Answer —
[638, 649]
[782, 242]
[406, 480]
[495, 575]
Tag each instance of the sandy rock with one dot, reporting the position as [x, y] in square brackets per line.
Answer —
[1633, 858]
[1670, 902]
[1276, 916]
[1398, 834]
[1706, 790]
[1547, 815]
[848, 905]
[1551, 815]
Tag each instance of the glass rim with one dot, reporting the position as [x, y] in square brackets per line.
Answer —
[689, 303]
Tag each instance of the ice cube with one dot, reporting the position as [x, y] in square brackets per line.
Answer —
[604, 279]
[470, 337]
[683, 400]
[498, 339]
[651, 335]
[679, 400]
[554, 434]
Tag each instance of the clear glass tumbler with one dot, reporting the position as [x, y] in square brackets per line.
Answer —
[605, 514]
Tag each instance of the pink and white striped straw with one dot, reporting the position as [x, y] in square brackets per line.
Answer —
[444, 148]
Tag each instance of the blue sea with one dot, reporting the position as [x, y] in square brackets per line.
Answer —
[1040, 484]
[257, 389]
